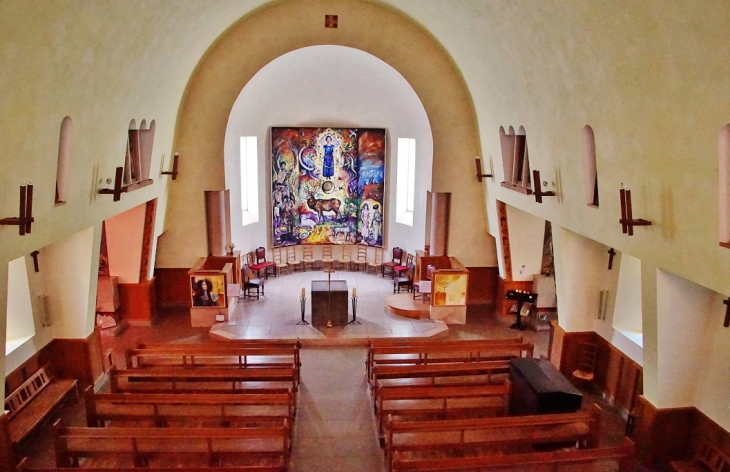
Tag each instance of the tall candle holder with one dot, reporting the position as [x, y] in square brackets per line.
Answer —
[303, 305]
[354, 308]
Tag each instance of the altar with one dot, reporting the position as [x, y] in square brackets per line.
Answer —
[329, 302]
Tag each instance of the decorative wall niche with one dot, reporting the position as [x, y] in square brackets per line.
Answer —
[515, 160]
[139, 152]
[589, 166]
[724, 186]
[64, 160]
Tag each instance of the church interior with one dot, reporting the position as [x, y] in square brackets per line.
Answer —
[350, 187]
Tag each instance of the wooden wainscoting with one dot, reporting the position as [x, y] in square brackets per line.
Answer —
[172, 287]
[482, 288]
[138, 305]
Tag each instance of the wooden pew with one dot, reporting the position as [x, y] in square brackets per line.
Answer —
[478, 373]
[215, 355]
[445, 352]
[164, 410]
[430, 403]
[573, 460]
[33, 401]
[502, 434]
[170, 447]
[25, 467]
[176, 380]
[708, 458]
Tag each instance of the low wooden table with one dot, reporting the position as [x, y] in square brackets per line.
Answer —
[329, 302]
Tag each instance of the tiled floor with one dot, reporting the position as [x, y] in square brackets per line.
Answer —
[277, 315]
[335, 427]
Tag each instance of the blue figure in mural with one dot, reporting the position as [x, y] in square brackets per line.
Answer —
[375, 222]
[328, 163]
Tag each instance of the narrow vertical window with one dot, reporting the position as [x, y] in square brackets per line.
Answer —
[406, 181]
[249, 180]
[515, 160]
[20, 326]
[724, 184]
[64, 161]
[589, 166]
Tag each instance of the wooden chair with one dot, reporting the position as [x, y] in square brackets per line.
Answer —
[362, 256]
[280, 263]
[307, 257]
[584, 371]
[291, 259]
[417, 284]
[327, 260]
[378, 263]
[397, 260]
[250, 284]
[346, 259]
[261, 261]
[397, 270]
[405, 281]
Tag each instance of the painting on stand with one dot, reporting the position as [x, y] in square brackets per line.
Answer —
[328, 186]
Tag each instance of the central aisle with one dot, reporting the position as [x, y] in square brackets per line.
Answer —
[335, 426]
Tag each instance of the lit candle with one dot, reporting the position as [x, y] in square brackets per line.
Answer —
[354, 292]
[304, 293]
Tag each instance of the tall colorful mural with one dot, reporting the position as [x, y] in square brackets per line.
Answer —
[328, 185]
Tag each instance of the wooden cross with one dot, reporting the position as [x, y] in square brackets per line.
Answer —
[611, 253]
[330, 21]
[727, 313]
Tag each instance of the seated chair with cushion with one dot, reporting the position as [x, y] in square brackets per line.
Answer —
[405, 281]
[263, 264]
[396, 260]
[397, 270]
[249, 284]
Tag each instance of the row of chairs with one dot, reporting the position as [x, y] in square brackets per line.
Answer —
[285, 260]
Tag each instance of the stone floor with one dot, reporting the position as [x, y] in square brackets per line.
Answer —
[335, 425]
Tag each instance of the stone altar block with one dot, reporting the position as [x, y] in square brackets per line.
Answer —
[329, 302]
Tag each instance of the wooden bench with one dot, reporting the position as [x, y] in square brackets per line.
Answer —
[446, 352]
[574, 460]
[170, 447]
[163, 410]
[431, 403]
[478, 373]
[25, 467]
[503, 434]
[707, 459]
[176, 380]
[28, 405]
[203, 356]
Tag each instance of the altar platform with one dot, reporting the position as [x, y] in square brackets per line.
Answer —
[278, 314]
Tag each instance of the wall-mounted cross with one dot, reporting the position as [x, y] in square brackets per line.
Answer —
[727, 313]
[611, 253]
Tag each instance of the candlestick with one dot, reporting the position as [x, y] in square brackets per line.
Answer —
[354, 292]
[304, 293]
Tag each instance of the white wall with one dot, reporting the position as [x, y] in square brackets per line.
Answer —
[20, 309]
[526, 236]
[627, 313]
[684, 313]
[124, 233]
[328, 86]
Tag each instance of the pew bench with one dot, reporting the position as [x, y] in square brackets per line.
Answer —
[422, 352]
[431, 403]
[215, 356]
[25, 467]
[170, 447]
[708, 458]
[506, 434]
[477, 373]
[223, 380]
[28, 405]
[211, 410]
[616, 458]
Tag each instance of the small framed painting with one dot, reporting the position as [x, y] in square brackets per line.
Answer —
[208, 290]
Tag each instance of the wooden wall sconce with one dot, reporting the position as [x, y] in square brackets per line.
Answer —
[480, 176]
[34, 255]
[25, 218]
[538, 187]
[627, 218]
[173, 173]
[120, 188]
